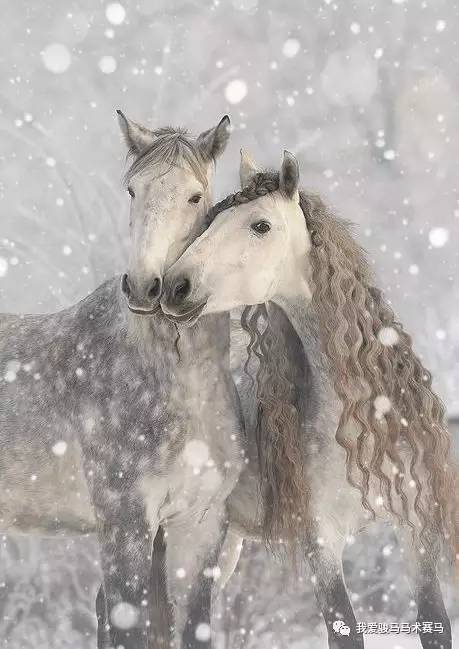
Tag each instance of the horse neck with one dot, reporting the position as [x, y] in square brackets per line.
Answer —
[306, 325]
[155, 336]
[320, 407]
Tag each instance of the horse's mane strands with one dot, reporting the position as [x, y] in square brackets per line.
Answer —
[351, 312]
[170, 147]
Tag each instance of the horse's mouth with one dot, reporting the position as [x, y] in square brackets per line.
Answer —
[140, 311]
[190, 317]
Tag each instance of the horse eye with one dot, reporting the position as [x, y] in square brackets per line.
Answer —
[261, 227]
[131, 192]
[195, 198]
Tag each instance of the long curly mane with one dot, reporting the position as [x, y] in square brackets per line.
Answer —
[353, 319]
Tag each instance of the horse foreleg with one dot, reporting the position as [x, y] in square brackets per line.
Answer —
[162, 619]
[332, 597]
[229, 556]
[434, 627]
[126, 539]
[103, 636]
[191, 576]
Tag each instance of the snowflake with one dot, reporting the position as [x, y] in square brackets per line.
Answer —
[291, 48]
[235, 91]
[115, 13]
[56, 58]
[202, 632]
[12, 368]
[196, 453]
[59, 448]
[388, 336]
[382, 405]
[213, 573]
[438, 237]
[3, 267]
[124, 616]
[107, 64]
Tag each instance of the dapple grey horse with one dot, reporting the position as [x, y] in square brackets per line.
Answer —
[111, 422]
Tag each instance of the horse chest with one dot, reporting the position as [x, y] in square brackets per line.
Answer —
[198, 476]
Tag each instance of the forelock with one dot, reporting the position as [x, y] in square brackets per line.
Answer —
[172, 147]
[263, 183]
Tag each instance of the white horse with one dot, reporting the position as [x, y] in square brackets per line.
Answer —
[364, 436]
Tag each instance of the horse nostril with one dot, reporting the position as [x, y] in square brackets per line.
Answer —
[155, 289]
[181, 289]
[125, 285]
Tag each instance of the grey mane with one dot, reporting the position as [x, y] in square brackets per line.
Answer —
[171, 147]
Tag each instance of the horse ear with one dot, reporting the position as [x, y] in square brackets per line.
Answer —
[213, 141]
[289, 177]
[137, 137]
[247, 169]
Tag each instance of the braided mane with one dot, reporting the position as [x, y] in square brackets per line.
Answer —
[351, 313]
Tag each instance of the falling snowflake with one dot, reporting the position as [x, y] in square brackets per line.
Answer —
[440, 25]
[440, 334]
[3, 267]
[388, 336]
[202, 632]
[180, 573]
[124, 616]
[213, 573]
[115, 13]
[355, 28]
[438, 237]
[107, 64]
[59, 448]
[413, 269]
[291, 48]
[382, 405]
[56, 58]
[196, 453]
[66, 250]
[235, 91]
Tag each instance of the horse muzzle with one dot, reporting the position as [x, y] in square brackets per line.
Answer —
[143, 301]
[187, 316]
